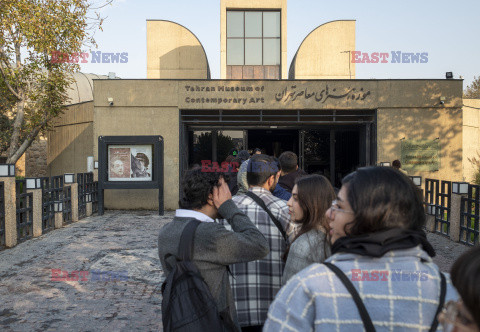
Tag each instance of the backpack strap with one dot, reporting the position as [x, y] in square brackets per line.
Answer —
[262, 204]
[185, 247]
[443, 293]
[367, 321]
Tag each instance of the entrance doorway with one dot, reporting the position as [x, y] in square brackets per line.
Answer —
[273, 141]
[332, 151]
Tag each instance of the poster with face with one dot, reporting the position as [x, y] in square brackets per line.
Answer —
[130, 163]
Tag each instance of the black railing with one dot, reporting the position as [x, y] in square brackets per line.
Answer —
[24, 205]
[442, 208]
[2, 216]
[431, 191]
[48, 205]
[82, 195]
[469, 216]
[95, 197]
[56, 186]
[67, 205]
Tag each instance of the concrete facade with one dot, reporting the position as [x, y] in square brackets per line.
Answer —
[326, 53]
[471, 137]
[139, 109]
[322, 83]
[176, 54]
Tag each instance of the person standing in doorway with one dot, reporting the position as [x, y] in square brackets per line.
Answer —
[290, 171]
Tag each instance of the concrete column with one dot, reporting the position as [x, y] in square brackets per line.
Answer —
[37, 211]
[95, 175]
[430, 222]
[10, 211]
[58, 219]
[74, 187]
[455, 217]
[89, 209]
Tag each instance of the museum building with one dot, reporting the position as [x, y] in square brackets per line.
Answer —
[313, 106]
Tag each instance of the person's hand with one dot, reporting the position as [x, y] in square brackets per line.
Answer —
[221, 194]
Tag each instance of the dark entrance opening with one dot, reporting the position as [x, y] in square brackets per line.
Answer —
[273, 141]
[334, 151]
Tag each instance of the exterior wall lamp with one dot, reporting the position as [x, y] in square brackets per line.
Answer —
[7, 170]
[460, 187]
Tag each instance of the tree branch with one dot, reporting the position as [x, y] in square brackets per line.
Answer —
[28, 141]
[8, 84]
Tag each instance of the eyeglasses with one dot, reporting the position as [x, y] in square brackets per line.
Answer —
[335, 208]
[453, 316]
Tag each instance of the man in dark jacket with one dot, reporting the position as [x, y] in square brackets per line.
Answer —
[205, 197]
[290, 172]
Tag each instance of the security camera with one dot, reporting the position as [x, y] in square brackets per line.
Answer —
[110, 101]
[442, 102]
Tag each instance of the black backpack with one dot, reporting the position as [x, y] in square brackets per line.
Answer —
[187, 303]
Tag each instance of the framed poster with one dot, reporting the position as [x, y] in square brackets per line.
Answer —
[130, 162]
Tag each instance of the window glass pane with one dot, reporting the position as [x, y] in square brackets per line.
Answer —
[234, 24]
[234, 52]
[271, 51]
[253, 51]
[271, 24]
[253, 24]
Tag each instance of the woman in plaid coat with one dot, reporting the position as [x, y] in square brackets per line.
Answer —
[378, 243]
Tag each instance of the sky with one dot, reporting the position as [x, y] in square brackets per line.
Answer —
[448, 30]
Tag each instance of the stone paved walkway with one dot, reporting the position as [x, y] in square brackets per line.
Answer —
[118, 241]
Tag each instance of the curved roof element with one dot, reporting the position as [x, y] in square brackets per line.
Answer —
[326, 53]
[81, 90]
[174, 52]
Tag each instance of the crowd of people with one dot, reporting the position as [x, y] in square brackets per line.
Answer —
[288, 252]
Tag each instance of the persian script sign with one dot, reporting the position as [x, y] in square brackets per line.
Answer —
[275, 95]
[322, 96]
[421, 155]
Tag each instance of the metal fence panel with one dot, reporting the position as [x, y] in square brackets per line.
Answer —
[66, 196]
[469, 216]
[95, 197]
[442, 208]
[24, 205]
[82, 195]
[2, 216]
[48, 203]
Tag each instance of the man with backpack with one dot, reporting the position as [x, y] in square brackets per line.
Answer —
[256, 283]
[187, 304]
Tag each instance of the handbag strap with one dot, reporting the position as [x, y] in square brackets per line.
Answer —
[262, 204]
[443, 292]
[185, 247]
[367, 321]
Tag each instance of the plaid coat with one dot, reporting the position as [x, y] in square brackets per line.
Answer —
[405, 299]
[255, 284]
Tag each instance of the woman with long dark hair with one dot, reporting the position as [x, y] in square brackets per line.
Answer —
[311, 197]
[380, 276]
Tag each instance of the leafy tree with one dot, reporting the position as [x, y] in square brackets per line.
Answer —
[203, 149]
[32, 86]
[473, 90]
